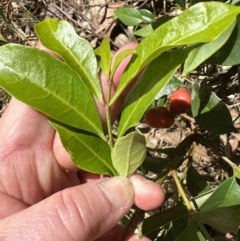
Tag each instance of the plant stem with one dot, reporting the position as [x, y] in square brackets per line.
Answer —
[181, 191]
[108, 116]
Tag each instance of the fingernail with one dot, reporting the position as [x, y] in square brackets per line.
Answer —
[119, 191]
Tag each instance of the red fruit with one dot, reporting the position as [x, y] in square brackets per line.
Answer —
[159, 117]
[180, 101]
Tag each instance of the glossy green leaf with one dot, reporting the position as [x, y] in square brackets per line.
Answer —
[129, 16]
[148, 86]
[128, 153]
[147, 16]
[88, 152]
[202, 22]
[119, 58]
[197, 184]
[60, 37]
[222, 210]
[229, 53]
[203, 52]
[148, 29]
[213, 115]
[172, 85]
[164, 217]
[49, 85]
[104, 52]
[190, 233]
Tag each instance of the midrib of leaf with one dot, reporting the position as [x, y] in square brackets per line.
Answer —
[83, 69]
[227, 193]
[71, 107]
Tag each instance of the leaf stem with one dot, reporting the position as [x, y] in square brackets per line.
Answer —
[108, 115]
[181, 191]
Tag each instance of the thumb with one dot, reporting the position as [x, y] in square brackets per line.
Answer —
[81, 213]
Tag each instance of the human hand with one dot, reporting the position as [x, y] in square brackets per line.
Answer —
[40, 192]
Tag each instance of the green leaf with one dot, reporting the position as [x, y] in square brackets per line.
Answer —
[49, 85]
[197, 184]
[147, 16]
[149, 84]
[213, 115]
[164, 217]
[129, 16]
[88, 152]
[104, 52]
[195, 105]
[202, 22]
[145, 31]
[222, 209]
[203, 52]
[229, 53]
[155, 164]
[128, 153]
[190, 233]
[172, 85]
[181, 3]
[119, 58]
[77, 52]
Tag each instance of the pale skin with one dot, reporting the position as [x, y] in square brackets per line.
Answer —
[40, 200]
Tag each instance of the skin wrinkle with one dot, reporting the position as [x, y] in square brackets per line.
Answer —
[66, 201]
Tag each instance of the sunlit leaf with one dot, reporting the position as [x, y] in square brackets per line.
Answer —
[119, 58]
[88, 152]
[228, 54]
[104, 52]
[202, 22]
[153, 79]
[203, 52]
[128, 153]
[222, 209]
[49, 85]
[148, 29]
[60, 37]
